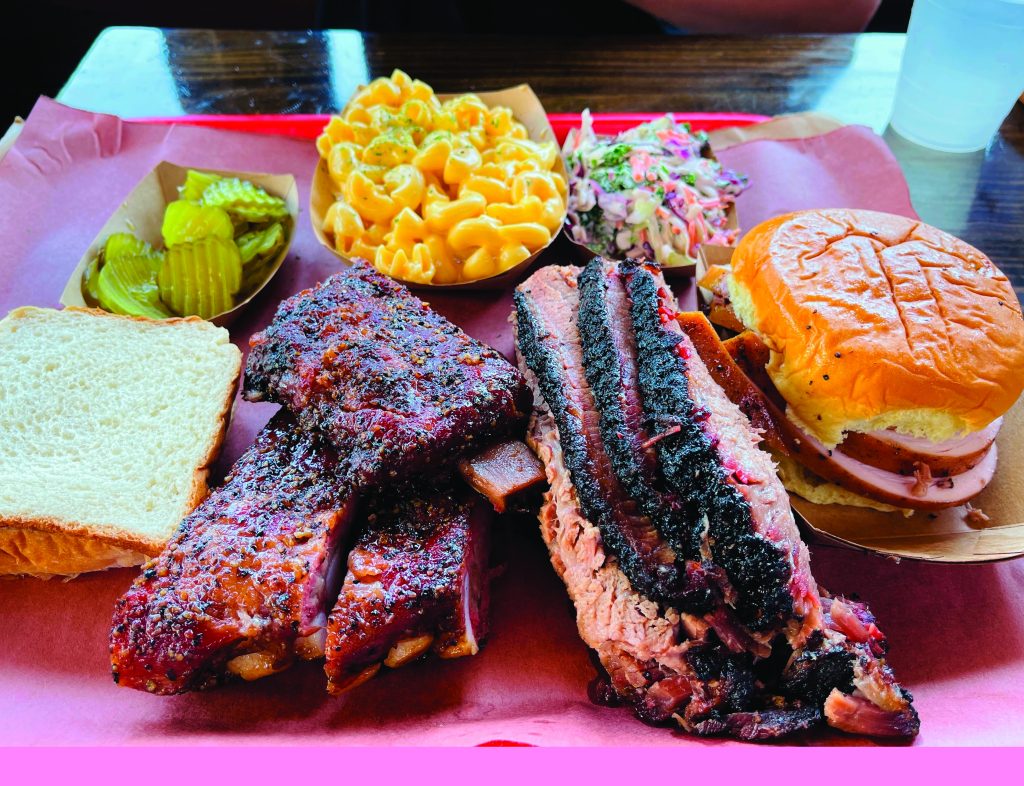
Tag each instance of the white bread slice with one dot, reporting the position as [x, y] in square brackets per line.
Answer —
[108, 427]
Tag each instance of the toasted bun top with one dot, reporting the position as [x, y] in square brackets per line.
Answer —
[879, 321]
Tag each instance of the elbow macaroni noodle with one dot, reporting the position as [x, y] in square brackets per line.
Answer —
[437, 192]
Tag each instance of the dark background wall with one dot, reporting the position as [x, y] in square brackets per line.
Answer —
[41, 45]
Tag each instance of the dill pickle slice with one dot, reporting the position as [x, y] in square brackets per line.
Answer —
[243, 199]
[201, 278]
[123, 244]
[196, 183]
[261, 242]
[127, 285]
[186, 222]
[90, 279]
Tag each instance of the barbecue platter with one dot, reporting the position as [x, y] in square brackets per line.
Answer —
[657, 444]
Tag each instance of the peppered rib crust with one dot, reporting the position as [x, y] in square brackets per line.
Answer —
[396, 387]
[418, 568]
[378, 389]
[237, 577]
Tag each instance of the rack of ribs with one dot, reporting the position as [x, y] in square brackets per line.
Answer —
[416, 581]
[380, 390]
[671, 530]
[396, 387]
[243, 585]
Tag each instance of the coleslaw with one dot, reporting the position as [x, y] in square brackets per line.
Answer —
[653, 191]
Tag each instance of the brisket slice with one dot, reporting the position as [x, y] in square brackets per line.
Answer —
[417, 580]
[397, 388]
[610, 364]
[818, 656]
[709, 457]
[546, 307]
[243, 585]
[662, 662]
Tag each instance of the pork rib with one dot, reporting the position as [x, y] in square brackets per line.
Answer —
[244, 584]
[771, 655]
[416, 581]
[396, 387]
[382, 389]
[507, 474]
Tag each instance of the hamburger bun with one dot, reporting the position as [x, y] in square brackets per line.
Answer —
[877, 321]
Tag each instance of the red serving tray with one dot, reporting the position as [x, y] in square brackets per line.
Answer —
[310, 126]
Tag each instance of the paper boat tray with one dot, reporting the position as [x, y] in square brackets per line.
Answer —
[142, 214]
[527, 110]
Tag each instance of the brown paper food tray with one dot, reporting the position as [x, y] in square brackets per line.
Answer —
[794, 126]
[527, 109]
[944, 536]
[584, 254]
[142, 214]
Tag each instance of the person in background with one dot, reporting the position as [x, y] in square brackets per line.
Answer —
[762, 16]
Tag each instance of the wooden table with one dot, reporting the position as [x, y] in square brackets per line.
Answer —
[138, 72]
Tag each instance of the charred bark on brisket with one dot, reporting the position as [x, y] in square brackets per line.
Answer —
[609, 361]
[646, 560]
[816, 672]
[755, 567]
[761, 725]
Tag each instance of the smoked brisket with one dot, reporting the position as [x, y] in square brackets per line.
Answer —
[546, 319]
[766, 653]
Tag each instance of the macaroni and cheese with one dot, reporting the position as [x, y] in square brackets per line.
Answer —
[437, 192]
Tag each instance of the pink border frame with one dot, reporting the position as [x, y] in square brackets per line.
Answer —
[426, 766]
